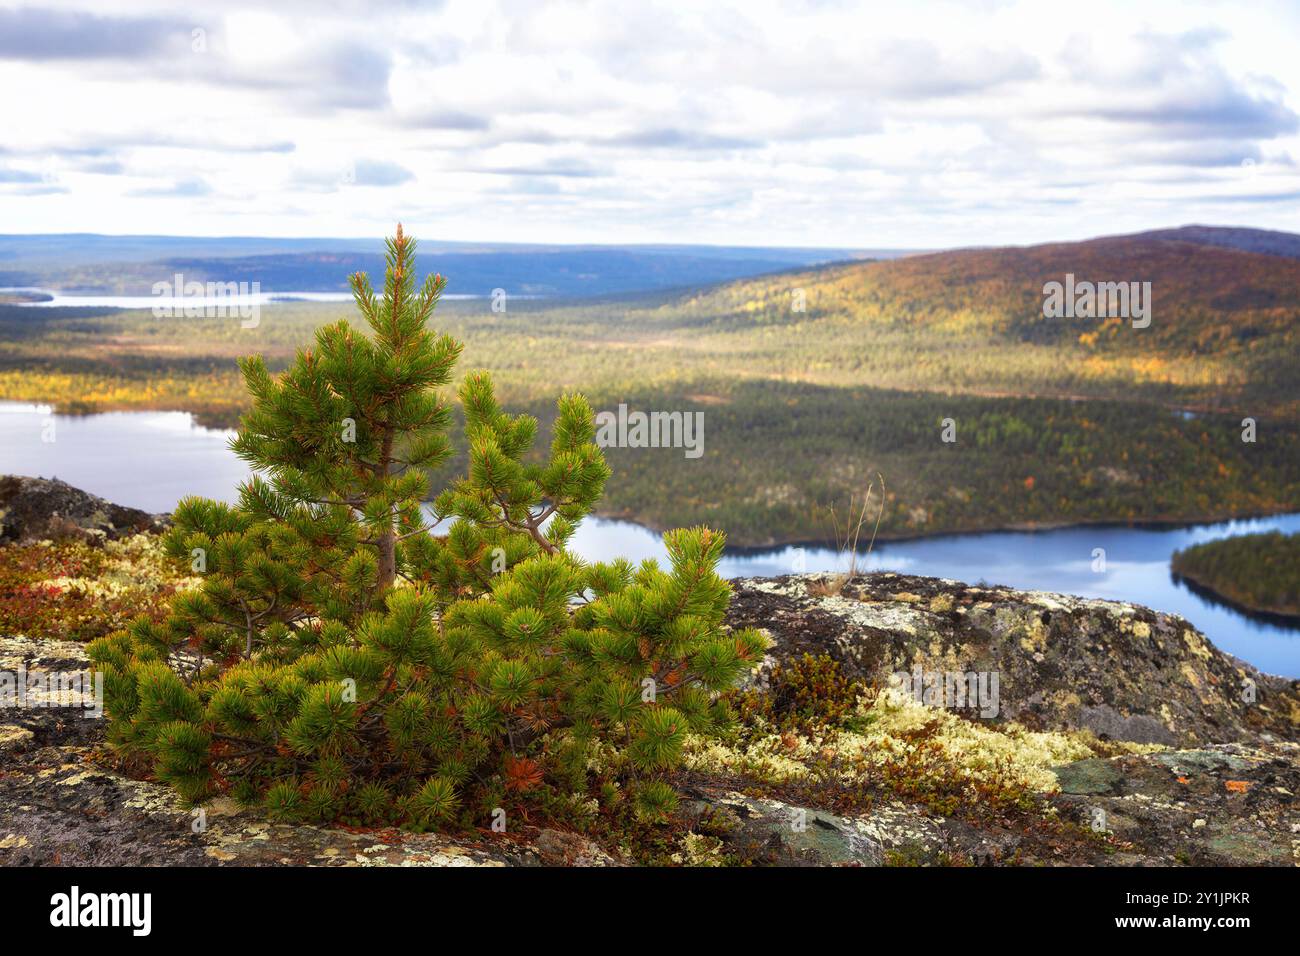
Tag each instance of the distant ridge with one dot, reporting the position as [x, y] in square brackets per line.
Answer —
[1267, 241]
[1234, 293]
[130, 265]
[78, 249]
[91, 263]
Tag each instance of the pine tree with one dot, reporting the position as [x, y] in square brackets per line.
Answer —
[352, 654]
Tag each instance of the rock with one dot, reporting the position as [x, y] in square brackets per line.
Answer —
[1109, 724]
[1122, 671]
[1089, 776]
[558, 848]
[775, 833]
[40, 508]
[1152, 809]
[1175, 807]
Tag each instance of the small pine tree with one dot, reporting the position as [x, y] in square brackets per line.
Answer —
[351, 656]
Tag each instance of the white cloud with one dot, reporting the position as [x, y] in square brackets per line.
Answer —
[757, 121]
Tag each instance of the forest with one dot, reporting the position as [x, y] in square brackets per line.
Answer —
[813, 382]
[1260, 572]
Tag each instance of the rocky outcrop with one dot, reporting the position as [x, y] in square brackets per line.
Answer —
[41, 508]
[1069, 664]
[1120, 670]
[1221, 805]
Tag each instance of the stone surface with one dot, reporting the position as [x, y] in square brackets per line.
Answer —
[1223, 805]
[1123, 671]
[40, 508]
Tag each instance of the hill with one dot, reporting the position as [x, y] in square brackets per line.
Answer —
[1224, 327]
[1204, 297]
[130, 265]
[1233, 237]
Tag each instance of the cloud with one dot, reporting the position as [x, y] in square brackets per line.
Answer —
[673, 138]
[103, 167]
[361, 172]
[378, 172]
[529, 186]
[1203, 154]
[321, 76]
[831, 121]
[187, 188]
[41, 189]
[1216, 113]
[341, 74]
[566, 168]
[1286, 196]
[28, 33]
[318, 72]
[101, 144]
[1174, 86]
[19, 176]
[913, 69]
[445, 119]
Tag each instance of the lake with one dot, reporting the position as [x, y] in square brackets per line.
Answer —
[150, 459]
[61, 300]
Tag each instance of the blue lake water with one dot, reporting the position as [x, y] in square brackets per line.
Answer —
[150, 459]
[244, 299]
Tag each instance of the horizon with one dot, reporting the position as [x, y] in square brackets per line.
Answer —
[497, 244]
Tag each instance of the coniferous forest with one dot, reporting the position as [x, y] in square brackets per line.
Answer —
[1258, 571]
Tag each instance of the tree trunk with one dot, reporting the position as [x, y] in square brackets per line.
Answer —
[388, 540]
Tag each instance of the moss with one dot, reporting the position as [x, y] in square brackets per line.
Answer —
[915, 855]
[1035, 638]
[979, 746]
[1091, 776]
[941, 603]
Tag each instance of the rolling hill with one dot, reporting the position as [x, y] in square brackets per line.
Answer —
[1233, 237]
[1225, 322]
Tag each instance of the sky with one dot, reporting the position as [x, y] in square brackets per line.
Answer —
[825, 123]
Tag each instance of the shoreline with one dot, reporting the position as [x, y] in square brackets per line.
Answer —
[1151, 524]
[1211, 593]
